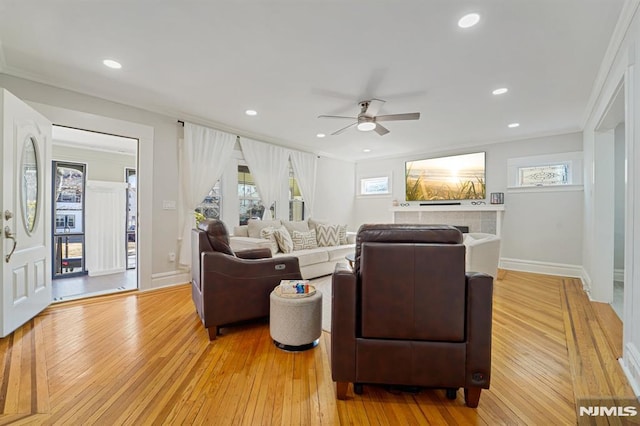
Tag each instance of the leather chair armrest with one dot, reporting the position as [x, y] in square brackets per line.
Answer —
[343, 324]
[236, 268]
[479, 317]
[256, 253]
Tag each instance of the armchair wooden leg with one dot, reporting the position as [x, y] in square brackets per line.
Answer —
[472, 396]
[213, 332]
[341, 390]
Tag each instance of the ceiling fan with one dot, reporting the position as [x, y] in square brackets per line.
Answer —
[368, 120]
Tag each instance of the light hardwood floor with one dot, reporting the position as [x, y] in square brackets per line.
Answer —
[144, 358]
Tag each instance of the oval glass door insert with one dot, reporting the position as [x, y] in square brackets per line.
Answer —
[29, 183]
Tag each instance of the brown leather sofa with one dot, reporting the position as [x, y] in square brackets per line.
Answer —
[408, 315]
[229, 287]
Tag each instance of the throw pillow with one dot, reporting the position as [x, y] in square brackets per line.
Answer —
[268, 233]
[328, 235]
[304, 240]
[284, 239]
[342, 232]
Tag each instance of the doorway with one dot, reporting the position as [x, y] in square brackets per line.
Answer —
[94, 227]
[610, 185]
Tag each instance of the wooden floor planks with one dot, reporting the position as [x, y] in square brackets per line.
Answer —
[144, 358]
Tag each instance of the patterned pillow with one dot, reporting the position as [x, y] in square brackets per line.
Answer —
[304, 240]
[268, 233]
[284, 239]
[342, 232]
[328, 235]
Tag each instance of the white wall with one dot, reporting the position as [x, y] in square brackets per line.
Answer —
[620, 67]
[104, 166]
[335, 192]
[542, 231]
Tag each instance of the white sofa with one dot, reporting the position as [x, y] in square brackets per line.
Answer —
[314, 262]
[482, 253]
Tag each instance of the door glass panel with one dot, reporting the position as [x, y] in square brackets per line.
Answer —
[29, 183]
[68, 219]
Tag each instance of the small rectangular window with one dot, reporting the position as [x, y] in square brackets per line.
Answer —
[379, 185]
[551, 174]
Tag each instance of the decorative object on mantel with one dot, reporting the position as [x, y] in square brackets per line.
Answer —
[497, 198]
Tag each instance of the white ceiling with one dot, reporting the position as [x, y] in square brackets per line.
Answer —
[292, 60]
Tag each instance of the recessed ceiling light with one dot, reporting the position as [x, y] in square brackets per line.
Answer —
[513, 125]
[500, 91]
[469, 20]
[320, 135]
[112, 64]
[251, 112]
[366, 150]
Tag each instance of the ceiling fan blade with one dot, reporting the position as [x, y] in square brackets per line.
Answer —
[396, 117]
[381, 130]
[337, 132]
[336, 116]
[374, 107]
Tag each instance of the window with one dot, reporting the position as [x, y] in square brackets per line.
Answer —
[296, 202]
[250, 203]
[551, 174]
[378, 185]
[211, 206]
[59, 221]
[561, 171]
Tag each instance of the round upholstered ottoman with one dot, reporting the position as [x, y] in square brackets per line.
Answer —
[295, 321]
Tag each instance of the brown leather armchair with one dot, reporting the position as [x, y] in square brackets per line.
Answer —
[408, 315]
[229, 287]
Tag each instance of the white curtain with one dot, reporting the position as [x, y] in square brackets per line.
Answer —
[106, 223]
[202, 157]
[304, 167]
[269, 167]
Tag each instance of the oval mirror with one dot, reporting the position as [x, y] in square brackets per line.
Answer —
[30, 180]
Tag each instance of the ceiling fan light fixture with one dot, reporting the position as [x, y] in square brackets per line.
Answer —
[366, 126]
[469, 20]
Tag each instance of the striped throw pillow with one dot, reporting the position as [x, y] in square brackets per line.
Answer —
[304, 240]
[284, 239]
[328, 235]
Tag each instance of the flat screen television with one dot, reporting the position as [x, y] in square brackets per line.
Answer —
[456, 177]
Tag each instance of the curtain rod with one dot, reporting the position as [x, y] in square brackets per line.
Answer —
[180, 122]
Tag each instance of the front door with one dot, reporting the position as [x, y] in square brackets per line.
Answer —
[25, 175]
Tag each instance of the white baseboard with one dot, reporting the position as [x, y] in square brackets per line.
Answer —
[167, 279]
[586, 282]
[98, 273]
[630, 363]
[547, 268]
